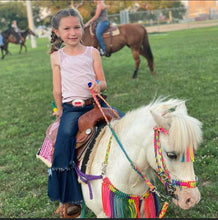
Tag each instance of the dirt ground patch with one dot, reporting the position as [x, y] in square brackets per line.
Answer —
[174, 27]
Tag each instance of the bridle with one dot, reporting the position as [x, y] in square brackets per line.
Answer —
[162, 171]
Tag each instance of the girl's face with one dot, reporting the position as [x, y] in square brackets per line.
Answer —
[70, 30]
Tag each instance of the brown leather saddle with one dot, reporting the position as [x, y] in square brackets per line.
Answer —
[109, 32]
[87, 124]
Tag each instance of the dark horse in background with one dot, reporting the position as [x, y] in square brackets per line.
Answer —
[10, 36]
[13, 39]
[132, 35]
[5, 35]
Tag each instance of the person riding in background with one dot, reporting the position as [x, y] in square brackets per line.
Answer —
[74, 66]
[16, 29]
[101, 18]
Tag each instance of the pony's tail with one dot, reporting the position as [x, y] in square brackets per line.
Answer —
[147, 50]
[56, 42]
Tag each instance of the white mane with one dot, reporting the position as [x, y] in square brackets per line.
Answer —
[184, 129]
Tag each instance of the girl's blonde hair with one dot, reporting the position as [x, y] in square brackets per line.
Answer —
[56, 41]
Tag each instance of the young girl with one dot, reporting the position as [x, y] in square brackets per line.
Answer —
[73, 66]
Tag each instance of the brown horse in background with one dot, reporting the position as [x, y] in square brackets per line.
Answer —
[12, 38]
[132, 35]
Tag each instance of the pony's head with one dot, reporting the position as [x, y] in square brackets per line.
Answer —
[176, 136]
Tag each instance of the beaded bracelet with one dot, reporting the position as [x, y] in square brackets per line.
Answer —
[97, 81]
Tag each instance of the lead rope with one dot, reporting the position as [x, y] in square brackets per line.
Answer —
[151, 186]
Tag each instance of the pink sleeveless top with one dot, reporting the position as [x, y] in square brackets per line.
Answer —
[76, 72]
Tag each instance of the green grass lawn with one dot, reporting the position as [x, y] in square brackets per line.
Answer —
[186, 68]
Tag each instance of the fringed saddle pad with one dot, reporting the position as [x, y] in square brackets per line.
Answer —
[117, 204]
[45, 153]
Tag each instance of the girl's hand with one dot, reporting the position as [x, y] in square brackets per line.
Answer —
[58, 113]
[95, 87]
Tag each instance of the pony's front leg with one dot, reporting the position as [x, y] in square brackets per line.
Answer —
[102, 215]
[94, 204]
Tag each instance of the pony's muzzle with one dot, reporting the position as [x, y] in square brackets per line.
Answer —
[187, 198]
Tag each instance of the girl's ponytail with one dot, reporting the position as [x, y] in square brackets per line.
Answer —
[56, 42]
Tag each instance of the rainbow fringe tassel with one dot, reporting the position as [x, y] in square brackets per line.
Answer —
[117, 204]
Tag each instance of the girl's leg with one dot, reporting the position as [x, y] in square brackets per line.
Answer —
[63, 184]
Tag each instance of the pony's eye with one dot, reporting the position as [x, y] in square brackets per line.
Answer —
[172, 155]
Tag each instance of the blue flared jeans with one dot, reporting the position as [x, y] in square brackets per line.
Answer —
[101, 27]
[63, 185]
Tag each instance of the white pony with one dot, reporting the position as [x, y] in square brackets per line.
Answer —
[136, 134]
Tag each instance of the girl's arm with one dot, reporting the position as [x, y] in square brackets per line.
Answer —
[97, 13]
[57, 92]
[97, 64]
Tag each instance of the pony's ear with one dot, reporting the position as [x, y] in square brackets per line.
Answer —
[182, 107]
[161, 121]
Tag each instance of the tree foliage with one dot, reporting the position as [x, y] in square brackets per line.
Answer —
[12, 11]
[87, 7]
[16, 10]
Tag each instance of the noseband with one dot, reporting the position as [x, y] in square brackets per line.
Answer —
[162, 171]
